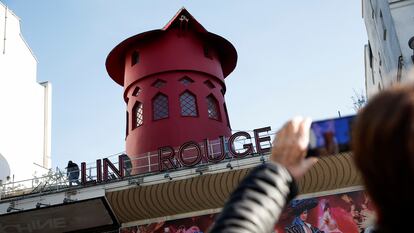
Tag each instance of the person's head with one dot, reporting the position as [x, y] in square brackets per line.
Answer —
[383, 148]
[304, 215]
[301, 208]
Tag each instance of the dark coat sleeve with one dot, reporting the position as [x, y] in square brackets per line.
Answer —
[256, 204]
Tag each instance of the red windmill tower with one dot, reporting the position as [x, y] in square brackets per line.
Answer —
[174, 88]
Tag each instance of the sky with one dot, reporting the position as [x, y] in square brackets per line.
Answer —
[294, 58]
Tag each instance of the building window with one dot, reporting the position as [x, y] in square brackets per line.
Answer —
[400, 66]
[372, 9]
[384, 29]
[370, 55]
[186, 81]
[213, 108]
[138, 118]
[209, 84]
[127, 124]
[134, 58]
[188, 104]
[136, 91]
[379, 58]
[160, 107]
[159, 83]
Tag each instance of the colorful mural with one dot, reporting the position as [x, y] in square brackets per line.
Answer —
[350, 212]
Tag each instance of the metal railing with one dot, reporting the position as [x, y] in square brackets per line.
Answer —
[143, 165]
[52, 181]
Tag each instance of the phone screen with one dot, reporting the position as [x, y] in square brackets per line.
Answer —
[330, 136]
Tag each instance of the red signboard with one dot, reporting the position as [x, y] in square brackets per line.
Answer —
[340, 213]
[189, 154]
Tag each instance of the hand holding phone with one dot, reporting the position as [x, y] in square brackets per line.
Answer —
[290, 146]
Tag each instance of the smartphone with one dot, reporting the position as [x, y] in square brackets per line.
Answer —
[330, 136]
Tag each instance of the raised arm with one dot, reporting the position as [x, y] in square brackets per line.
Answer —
[256, 204]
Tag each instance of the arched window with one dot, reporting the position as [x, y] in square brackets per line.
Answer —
[160, 106]
[186, 81]
[188, 104]
[138, 116]
[127, 124]
[209, 84]
[159, 83]
[213, 108]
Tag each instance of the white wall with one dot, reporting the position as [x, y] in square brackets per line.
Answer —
[383, 50]
[24, 104]
[403, 15]
[383, 53]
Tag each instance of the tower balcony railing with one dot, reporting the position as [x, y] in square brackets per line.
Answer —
[57, 180]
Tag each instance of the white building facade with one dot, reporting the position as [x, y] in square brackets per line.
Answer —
[388, 56]
[25, 106]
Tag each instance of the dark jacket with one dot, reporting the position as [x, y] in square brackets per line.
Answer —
[72, 171]
[256, 204]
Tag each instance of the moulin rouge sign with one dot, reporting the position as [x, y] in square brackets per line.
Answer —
[169, 159]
